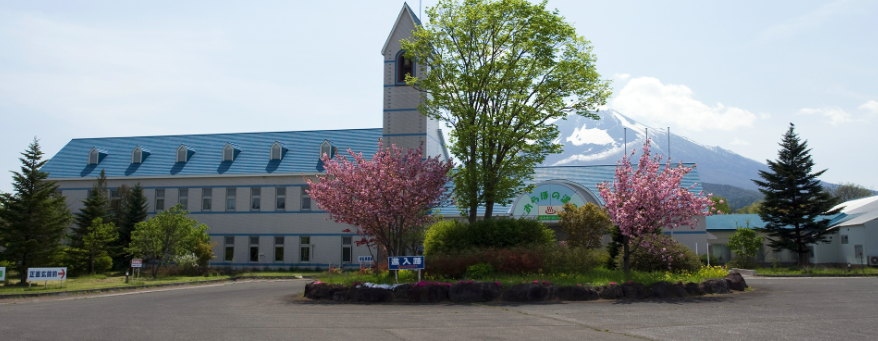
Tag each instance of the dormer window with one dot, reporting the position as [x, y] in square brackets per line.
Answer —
[404, 66]
[277, 151]
[95, 155]
[325, 149]
[138, 154]
[183, 153]
[230, 151]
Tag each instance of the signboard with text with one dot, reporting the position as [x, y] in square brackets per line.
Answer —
[46, 274]
[365, 259]
[550, 212]
[137, 263]
[405, 263]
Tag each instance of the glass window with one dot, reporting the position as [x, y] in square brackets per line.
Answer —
[255, 193]
[182, 154]
[114, 194]
[254, 249]
[404, 66]
[228, 153]
[230, 199]
[137, 156]
[844, 239]
[93, 157]
[278, 249]
[281, 198]
[230, 240]
[184, 198]
[304, 249]
[159, 199]
[276, 152]
[230, 248]
[306, 199]
[346, 249]
[206, 194]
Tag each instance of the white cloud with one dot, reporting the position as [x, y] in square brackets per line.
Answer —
[740, 142]
[804, 23]
[648, 100]
[622, 76]
[589, 136]
[871, 106]
[835, 114]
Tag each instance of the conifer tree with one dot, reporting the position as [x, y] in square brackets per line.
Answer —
[132, 209]
[33, 218]
[794, 199]
[96, 205]
[97, 242]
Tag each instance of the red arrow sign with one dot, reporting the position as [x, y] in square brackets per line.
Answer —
[62, 273]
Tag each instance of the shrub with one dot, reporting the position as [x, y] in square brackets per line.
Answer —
[585, 226]
[713, 259]
[479, 271]
[103, 263]
[643, 260]
[573, 259]
[450, 236]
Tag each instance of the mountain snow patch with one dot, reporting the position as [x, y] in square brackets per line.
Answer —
[589, 136]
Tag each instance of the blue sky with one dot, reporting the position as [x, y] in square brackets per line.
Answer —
[728, 74]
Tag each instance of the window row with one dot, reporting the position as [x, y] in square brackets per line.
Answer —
[184, 153]
[305, 252]
[228, 198]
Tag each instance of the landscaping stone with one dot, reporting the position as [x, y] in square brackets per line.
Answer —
[715, 286]
[736, 282]
[465, 292]
[668, 290]
[635, 291]
[576, 293]
[694, 289]
[531, 292]
[318, 291]
[611, 292]
[402, 292]
[428, 294]
[341, 296]
[370, 295]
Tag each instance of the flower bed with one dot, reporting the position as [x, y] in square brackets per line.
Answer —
[533, 291]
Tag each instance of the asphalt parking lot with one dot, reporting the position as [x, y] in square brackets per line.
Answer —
[778, 309]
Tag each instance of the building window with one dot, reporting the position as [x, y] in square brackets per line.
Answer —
[230, 199]
[136, 156]
[278, 249]
[306, 199]
[93, 156]
[277, 151]
[254, 249]
[403, 66]
[305, 249]
[844, 239]
[228, 153]
[255, 193]
[184, 198]
[230, 248]
[206, 194]
[280, 198]
[159, 199]
[114, 194]
[182, 154]
[325, 149]
[346, 249]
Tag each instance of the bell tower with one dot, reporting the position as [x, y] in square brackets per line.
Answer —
[404, 125]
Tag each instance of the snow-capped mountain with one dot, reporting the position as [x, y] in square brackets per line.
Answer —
[602, 142]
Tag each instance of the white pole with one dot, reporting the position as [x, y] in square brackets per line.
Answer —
[708, 253]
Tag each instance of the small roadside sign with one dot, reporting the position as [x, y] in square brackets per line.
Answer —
[2, 273]
[46, 274]
[137, 263]
[365, 259]
[405, 263]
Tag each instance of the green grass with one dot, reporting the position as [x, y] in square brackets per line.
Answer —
[599, 276]
[818, 270]
[97, 282]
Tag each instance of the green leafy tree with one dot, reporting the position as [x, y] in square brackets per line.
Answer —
[96, 205]
[721, 205]
[794, 199]
[850, 191]
[170, 233]
[616, 239]
[496, 72]
[33, 218]
[97, 243]
[750, 209]
[745, 242]
[585, 226]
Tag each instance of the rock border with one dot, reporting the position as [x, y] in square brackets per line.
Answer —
[536, 292]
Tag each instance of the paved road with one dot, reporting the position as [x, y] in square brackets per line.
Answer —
[789, 308]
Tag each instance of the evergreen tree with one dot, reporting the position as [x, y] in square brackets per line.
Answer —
[133, 208]
[96, 205]
[33, 218]
[794, 199]
[97, 242]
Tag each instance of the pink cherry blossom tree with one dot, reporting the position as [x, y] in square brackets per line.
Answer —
[645, 199]
[387, 199]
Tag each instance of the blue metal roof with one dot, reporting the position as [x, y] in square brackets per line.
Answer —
[733, 221]
[302, 155]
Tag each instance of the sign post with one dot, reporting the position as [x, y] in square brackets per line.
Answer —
[406, 263]
[46, 275]
[137, 263]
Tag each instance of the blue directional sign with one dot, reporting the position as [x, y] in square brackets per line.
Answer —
[405, 263]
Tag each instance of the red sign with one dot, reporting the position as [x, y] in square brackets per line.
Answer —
[137, 263]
